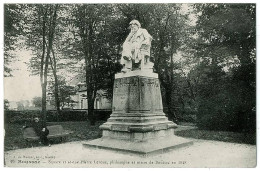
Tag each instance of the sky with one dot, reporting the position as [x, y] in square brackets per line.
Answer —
[21, 86]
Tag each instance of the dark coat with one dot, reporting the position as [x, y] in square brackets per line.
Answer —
[37, 126]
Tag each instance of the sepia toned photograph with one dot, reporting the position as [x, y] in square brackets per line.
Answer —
[129, 85]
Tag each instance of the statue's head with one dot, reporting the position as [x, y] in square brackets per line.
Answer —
[134, 25]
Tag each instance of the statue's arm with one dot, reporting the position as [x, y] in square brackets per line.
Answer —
[147, 37]
[128, 38]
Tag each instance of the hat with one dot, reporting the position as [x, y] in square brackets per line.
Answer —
[36, 119]
[135, 22]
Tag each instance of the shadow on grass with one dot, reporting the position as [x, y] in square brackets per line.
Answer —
[82, 131]
[224, 136]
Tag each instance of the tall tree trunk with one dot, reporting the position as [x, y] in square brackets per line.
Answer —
[44, 109]
[43, 44]
[91, 116]
[168, 102]
[168, 96]
[172, 88]
[56, 83]
[43, 112]
[46, 62]
[90, 78]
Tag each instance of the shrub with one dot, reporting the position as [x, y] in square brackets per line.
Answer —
[52, 115]
[225, 113]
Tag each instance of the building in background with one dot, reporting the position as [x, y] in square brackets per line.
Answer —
[101, 101]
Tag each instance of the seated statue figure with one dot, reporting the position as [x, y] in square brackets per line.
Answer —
[136, 48]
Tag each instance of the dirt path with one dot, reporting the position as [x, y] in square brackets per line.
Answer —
[201, 154]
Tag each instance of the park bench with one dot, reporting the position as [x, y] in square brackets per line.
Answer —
[55, 131]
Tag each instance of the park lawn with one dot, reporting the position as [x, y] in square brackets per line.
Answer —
[83, 131]
[234, 137]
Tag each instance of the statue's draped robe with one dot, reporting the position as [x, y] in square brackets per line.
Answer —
[136, 46]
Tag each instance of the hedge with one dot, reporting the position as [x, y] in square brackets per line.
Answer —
[11, 116]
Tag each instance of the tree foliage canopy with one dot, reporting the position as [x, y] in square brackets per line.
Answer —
[206, 69]
[226, 49]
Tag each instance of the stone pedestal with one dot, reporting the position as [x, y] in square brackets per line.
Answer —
[137, 123]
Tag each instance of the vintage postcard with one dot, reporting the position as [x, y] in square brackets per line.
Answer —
[129, 85]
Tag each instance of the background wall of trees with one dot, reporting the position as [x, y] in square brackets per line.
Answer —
[206, 65]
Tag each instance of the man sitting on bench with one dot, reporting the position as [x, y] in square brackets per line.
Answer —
[40, 130]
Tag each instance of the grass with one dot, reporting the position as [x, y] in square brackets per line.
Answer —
[225, 136]
[83, 131]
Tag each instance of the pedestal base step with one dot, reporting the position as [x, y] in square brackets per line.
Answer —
[142, 148]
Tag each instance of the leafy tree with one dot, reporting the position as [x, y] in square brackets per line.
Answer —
[41, 21]
[215, 77]
[12, 32]
[65, 92]
[226, 48]
[167, 25]
[92, 26]
[6, 104]
[20, 105]
[37, 102]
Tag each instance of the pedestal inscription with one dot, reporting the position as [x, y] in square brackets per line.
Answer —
[137, 123]
[137, 94]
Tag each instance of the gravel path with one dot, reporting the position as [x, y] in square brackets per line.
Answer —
[202, 153]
